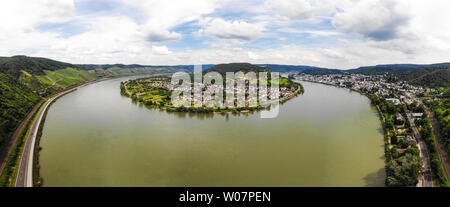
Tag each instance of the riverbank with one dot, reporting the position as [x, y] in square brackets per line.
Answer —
[13, 163]
[397, 144]
[37, 180]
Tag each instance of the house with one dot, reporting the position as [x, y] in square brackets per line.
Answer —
[395, 101]
[399, 117]
[417, 115]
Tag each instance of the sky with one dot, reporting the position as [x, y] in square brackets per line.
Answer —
[339, 34]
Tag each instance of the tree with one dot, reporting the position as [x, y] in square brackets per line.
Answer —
[388, 124]
[404, 170]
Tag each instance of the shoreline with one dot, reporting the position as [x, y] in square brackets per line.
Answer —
[380, 116]
[30, 146]
[37, 180]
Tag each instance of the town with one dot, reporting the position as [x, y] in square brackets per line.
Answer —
[405, 115]
[157, 91]
[396, 93]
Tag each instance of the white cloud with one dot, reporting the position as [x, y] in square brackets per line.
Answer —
[19, 18]
[375, 19]
[239, 30]
[313, 33]
[163, 15]
[414, 31]
[160, 50]
[303, 9]
[160, 35]
[23, 15]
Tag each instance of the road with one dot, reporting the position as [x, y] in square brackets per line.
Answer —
[25, 172]
[428, 181]
[4, 155]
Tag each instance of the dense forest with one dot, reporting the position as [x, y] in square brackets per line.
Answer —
[16, 101]
[439, 78]
[441, 110]
[33, 65]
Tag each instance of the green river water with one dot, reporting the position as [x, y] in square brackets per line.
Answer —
[326, 137]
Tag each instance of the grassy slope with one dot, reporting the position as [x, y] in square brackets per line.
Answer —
[55, 80]
[69, 77]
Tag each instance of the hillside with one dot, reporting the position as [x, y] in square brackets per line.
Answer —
[287, 68]
[380, 70]
[25, 80]
[135, 66]
[322, 71]
[435, 75]
[16, 101]
[236, 67]
[54, 81]
[439, 78]
[33, 65]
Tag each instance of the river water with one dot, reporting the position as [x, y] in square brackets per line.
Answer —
[326, 137]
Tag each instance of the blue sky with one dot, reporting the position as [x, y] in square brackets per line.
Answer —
[326, 33]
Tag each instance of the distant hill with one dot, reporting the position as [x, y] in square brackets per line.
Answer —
[236, 67]
[382, 69]
[287, 68]
[132, 66]
[322, 71]
[33, 65]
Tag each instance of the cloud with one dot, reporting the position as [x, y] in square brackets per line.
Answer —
[313, 33]
[375, 19]
[256, 31]
[161, 16]
[160, 35]
[239, 30]
[22, 16]
[160, 50]
[302, 9]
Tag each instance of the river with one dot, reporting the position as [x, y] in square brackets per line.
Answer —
[326, 137]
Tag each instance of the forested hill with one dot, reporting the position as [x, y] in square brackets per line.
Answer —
[24, 81]
[33, 65]
[137, 66]
[287, 68]
[16, 100]
[435, 75]
[435, 78]
[236, 67]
